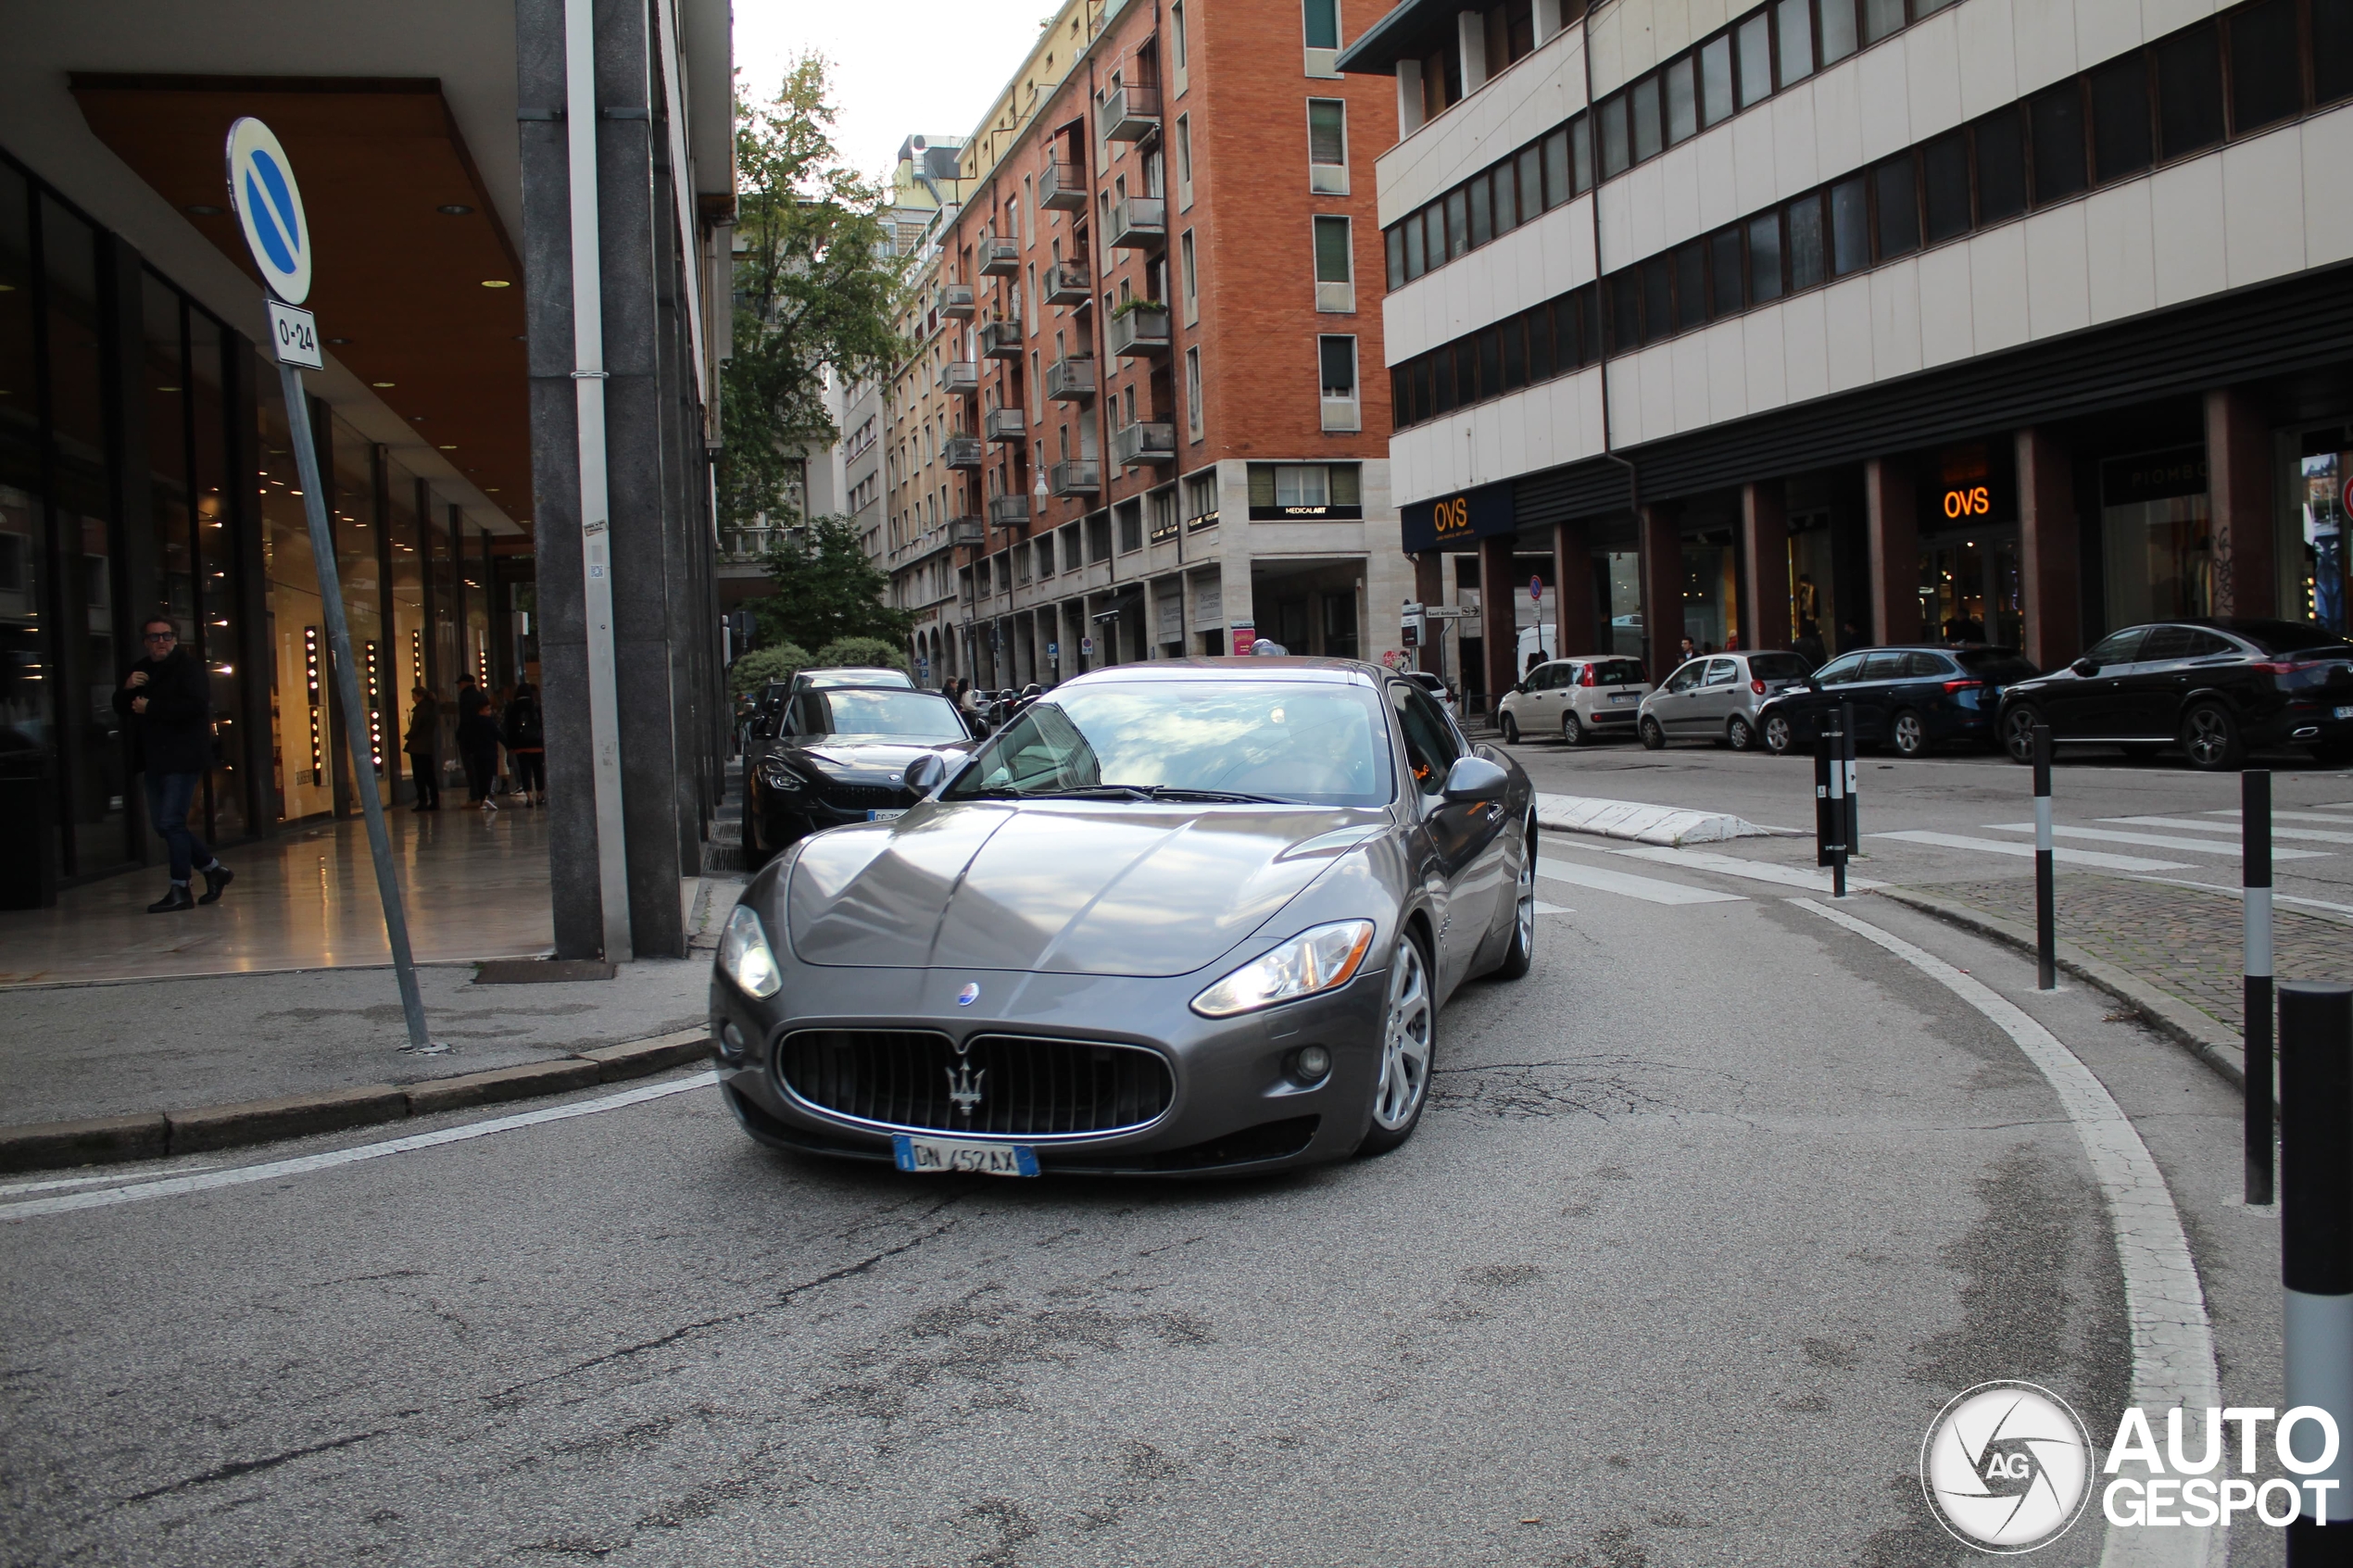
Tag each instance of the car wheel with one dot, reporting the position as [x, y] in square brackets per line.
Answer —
[1780, 736]
[1910, 732]
[1408, 1040]
[1653, 736]
[2018, 731]
[1740, 734]
[2211, 737]
[1572, 729]
[1521, 955]
[1511, 729]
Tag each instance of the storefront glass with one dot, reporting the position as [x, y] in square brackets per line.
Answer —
[408, 632]
[1621, 577]
[1813, 583]
[1969, 590]
[300, 717]
[1711, 601]
[2155, 540]
[28, 719]
[353, 511]
[2318, 571]
[219, 611]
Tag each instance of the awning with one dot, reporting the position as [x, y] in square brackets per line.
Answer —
[1414, 30]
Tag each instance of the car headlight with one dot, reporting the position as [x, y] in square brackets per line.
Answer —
[1314, 960]
[743, 956]
[775, 775]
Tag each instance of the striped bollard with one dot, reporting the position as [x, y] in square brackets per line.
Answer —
[2046, 884]
[2316, 1249]
[2254, 860]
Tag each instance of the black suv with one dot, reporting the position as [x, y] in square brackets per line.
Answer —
[2214, 687]
[1912, 698]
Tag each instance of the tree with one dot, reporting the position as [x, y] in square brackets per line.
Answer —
[862, 653]
[813, 292]
[754, 671]
[827, 590]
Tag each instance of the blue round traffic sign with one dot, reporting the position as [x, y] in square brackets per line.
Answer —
[269, 206]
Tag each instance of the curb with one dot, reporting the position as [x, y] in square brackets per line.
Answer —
[2203, 1036]
[1672, 825]
[157, 1134]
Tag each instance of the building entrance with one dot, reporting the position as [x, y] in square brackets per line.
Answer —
[1970, 588]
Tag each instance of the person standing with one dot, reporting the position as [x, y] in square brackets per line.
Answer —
[523, 731]
[477, 743]
[166, 700]
[422, 744]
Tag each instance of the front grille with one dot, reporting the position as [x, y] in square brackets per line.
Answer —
[864, 797]
[1027, 1086]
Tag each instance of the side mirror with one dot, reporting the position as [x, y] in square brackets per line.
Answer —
[1475, 778]
[1519, 688]
[926, 772]
[2085, 667]
[1812, 684]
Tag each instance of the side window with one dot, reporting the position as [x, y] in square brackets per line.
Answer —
[1842, 671]
[2168, 642]
[2123, 648]
[2205, 645]
[1882, 666]
[1925, 667]
[1429, 741]
[1721, 672]
[1683, 679]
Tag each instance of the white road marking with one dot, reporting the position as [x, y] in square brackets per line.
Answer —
[52, 1186]
[237, 1175]
[1648, 889]
[2172, 1342]
[1544, 909]
[2064, 857]
[1812, 878]
[2308, 835]
[2157, 841]
[2277, 898]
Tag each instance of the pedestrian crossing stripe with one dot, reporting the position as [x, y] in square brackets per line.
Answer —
[2157, 841]
[2064, 857]
[1650, 890]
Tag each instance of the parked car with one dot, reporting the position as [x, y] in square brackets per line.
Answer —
[1575, 698]
[1911, 699]
[768, 707]
[1717, 697]
[2213, 688]
[1435, 686]
[841, 755]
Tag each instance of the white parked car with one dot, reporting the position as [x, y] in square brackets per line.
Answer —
[1435, 686]
[1575, 698]
[1716, 696]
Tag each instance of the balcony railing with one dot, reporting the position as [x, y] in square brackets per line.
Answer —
[1072, 380]
[1066, 284]
[1000, 340]
[1009, 511]
[960, 375]
[967, 530]
[1081, 476]
[1008, 424]
[955, 299]
[1140, 332]
[1147, 441]
[999, 257]
[1131, 113]
[748, 543]
[1063, 185]
[962, 451]
[1138, 223]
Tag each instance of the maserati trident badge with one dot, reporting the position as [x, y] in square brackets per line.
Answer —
[969, 995]
[963, 1085]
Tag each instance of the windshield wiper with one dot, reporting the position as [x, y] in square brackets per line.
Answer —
[1178, 792]
[1127, 791]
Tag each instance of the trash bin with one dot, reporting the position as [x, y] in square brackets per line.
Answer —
[29, 847]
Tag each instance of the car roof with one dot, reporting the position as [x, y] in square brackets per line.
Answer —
[1260, 666]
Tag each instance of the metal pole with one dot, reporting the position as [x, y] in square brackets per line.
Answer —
[1839, 815]
[2316, 1251]
[2045, 884]
[1825, 824]
[355, 719]
[1851, 829]
[2255, 876]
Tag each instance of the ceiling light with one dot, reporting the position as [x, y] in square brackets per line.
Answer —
[201, 209]
[339, 341]
[384, 384]
[493, 490]
[493, 283]
[455, 209]
[449, 449]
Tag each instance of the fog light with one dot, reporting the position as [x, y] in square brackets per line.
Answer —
[731, 1044]
[1310, 1064]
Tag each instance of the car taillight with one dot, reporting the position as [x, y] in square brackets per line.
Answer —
[1585, 676]
[1964, 685]
[1757, 686]
[2274, 666]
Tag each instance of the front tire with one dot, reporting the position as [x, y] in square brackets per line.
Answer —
[1409, 1041]
[2018, 731]
[1780, 736]
[1654, 738]
[1910, 733]
[2211, 737]
[1520, 957]
[1572, 729]
[1511, 729]
[1740, 734]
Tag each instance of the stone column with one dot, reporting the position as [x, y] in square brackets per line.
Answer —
[1470, 36]
[1765, 567]
[1429, 588]
[1498, 627]
[1409, 97]
[1662, 554]
[2238, 489]
[1893, 536]
[1574, 619]
[2049, 550]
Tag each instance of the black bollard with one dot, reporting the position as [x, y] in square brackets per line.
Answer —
[2046, 859]
[2316, 1248]
[2255, 876]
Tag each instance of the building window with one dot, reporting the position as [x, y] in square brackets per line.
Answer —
[1328, 147]
[1190, 278]
[1323, 23]
[1193, 392]
[1305, 491]
[1335, 267]
[1184, 161]
[1201, 499]
[1180, 57]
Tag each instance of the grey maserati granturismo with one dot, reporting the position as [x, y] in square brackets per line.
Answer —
[1181, 917]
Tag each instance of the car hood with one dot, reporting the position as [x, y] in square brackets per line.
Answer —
[1065, 888]
[848, 755]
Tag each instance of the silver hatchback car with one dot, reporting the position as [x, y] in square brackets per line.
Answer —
[1575, 698]
[1716, 697]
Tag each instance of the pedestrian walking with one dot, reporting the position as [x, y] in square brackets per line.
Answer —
[166, 702]
[421, 746]
[523, 731]
[1808, 647]
[477, 743]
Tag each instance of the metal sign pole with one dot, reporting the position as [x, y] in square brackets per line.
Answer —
[355, 720]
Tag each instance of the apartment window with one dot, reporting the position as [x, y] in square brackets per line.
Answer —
[1642, 111]
[1178, 55]
[1338, 358]
[1322, 23]
[1045, 552]
[1458, 223]
[1715, 79]
[1335, 266]
[2189, 92]
[2056, 118]
[1838, 31]
[1184, 161]
[1328, 147]
[1193, 392]
[1793, 32]
[2000, 142]
[2266, 66]
[1070, 548]
[1099, 537]
[1191, 280]
[1724, 272]
[1756, 41]
[1682, 100]
[1945, 180]
[1899, 212]
[1850, 227]
[1881, 18]
[1161, 506]
[1809, 245]
[2120, 132]
[1131, 526]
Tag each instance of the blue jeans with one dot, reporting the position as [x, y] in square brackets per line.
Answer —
[169, 797]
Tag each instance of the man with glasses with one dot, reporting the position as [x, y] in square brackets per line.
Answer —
[166, 701]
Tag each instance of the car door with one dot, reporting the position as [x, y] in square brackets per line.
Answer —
[1870, 692]
[2083, 707]
[1463, 869]
[2149, 694]
[1670, 705]
[1710, 706]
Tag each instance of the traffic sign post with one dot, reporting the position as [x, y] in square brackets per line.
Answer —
[269, 208]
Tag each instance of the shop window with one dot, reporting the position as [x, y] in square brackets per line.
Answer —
[2189, 92]
[1944, 186]
[2120, 119]
[1756, 41]
[2057, 120]
[1850, 232]
[2000, 143]
[1793, 32]
[2265, 65]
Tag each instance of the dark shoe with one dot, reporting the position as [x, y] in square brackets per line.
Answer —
[176, 899]
[216, 878]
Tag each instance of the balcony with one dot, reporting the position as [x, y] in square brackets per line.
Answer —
[1009, 511]
[954, 299]
[1147, 441]
[1066, 284]
[1142, 331]
[1072, 380]
[960, 375]
[961, 451]
[1138, 223]
[1063, 185]
[1082, 476]
[1000, 340]
[1131, 113]
[999, 257]
[967, 530]
[1004, 424]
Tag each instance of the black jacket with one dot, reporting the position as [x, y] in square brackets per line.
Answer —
[523, 730]
[174, 735]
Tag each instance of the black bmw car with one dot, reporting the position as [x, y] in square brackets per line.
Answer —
[839, 755]
[1911, 699]
[2216, 688]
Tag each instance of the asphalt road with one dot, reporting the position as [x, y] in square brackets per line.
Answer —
[1710, 1216]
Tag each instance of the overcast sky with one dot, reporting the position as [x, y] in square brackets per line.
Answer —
[899, 68]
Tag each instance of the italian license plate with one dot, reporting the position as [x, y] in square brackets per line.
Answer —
[2345, 712]
[938, 1156]
[886, 816]
[1616, 697]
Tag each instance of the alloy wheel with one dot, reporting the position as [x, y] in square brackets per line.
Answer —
[2018, 733]
[1911, 735]
[1527, 899]
[1777, 739]
[1511, 729]
[1741, 733]
[2209, 737]
[1405, 1036]
[1572, 730]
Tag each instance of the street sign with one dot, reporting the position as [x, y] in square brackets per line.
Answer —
[269, 208]
[293, 332]
[1536, 589]
[1054, 652]
[1085, 644]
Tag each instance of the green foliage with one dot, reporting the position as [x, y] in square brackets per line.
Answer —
[754, 671]
[870, 653]
[813, 292]
[827, 590]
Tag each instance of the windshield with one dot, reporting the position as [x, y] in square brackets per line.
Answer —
[1996, 664]
[1777, 666]
[1313, 742]
[901, 715]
